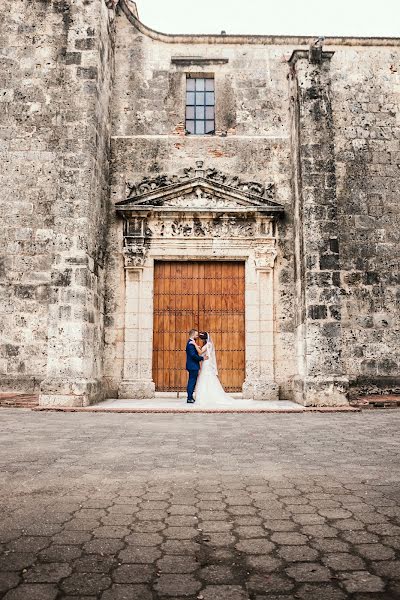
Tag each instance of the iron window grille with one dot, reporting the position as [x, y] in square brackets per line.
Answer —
[200, 105]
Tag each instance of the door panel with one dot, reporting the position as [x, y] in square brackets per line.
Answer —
[206, 295]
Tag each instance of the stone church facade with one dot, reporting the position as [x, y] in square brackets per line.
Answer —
[248, 185]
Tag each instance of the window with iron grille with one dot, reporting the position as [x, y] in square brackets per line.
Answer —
[200, 105]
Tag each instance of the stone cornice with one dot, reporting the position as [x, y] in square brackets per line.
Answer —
[199, 188]
[128, 7]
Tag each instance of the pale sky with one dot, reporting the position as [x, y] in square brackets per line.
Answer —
[293, 17]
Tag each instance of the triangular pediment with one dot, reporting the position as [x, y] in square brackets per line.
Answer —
[198, 192]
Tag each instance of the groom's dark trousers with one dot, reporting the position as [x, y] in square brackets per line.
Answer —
[193, 361]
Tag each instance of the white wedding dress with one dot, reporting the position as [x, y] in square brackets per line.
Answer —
[209, 390]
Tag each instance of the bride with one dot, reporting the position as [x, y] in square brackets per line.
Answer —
[209, 389]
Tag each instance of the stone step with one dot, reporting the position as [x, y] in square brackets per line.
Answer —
[17, 400]
[377, 401]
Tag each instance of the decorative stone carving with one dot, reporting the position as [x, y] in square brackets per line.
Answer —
[229, 227]
[135, 254]
[111, 3]
[251, 188]
[264, 257]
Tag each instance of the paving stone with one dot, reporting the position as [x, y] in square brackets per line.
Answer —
[255, 546]
[94, 563]
[250, 532]
[182, 510]
[343, 562]
[148, 526]
[177, 585]
[279, 525]
[265, 563]
[47, 573]
[394, 541]
[375, 551]
[32, 591]
[269, 583]
[215, 526]
[210, 515]
[384, 529]
[8, 580]
[181, 533]
[330, 545]
[144, 539]
[71, 538]
[85, 583]
[103, 546]
[127, 592]
[389, 569]
[180, 547]
[16, 561]
[177, 564]
[133, 573]
[218, 539]
[360, 537]
[289, 538]
[217, 574]
[309, 571]
[139, 554]
[322, 591]
[27, 544]
[361, 581]
[297, 553]
[110, 532]
[79, 525]
[319, 531]
[242, 510]
[308, 519]
[335, 513]
[224, 592]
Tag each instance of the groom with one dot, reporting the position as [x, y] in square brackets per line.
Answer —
[193, 360]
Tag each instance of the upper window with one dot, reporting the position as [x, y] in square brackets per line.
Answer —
[200, 105]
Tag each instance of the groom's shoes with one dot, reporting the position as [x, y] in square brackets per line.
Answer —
[190, 401]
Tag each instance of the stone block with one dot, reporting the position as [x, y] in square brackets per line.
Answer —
[137, 389]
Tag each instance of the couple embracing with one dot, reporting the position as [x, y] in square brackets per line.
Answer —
[201, 364]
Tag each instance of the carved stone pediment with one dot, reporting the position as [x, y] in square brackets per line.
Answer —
[198, 190]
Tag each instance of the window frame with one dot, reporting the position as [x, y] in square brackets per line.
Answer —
[197, 114]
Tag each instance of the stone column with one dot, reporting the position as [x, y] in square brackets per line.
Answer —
[260, 369]
[320, 379]
[137, 377]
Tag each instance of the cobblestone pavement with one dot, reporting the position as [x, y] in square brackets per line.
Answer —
[212, 507]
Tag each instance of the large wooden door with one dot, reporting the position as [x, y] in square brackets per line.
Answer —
[204, 295]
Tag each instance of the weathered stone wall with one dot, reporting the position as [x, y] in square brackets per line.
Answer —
[147, 138]
[62, 304]
[365, 99]
[56, 68]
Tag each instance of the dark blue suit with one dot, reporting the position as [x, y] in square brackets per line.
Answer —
[193, 361]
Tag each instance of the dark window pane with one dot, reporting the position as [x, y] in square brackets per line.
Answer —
[190, 126]
[209, 112]
[190, 85]
[199, 112]
[190, 98]
[210, 85]
[210, 126]
[199, 98]
[199, 85]
[210, 98]
[190, 112]
[200, 127]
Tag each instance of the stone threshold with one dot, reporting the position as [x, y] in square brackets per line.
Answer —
[190, 410]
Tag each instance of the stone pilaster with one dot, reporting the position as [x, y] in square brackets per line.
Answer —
[77, 222]
[320, 379]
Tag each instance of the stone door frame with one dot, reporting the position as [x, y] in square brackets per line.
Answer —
[258, 256]
[204, 215]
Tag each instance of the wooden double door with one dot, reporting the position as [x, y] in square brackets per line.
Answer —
[208, 296]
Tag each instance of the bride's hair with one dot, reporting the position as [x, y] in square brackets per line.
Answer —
[203, 335]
